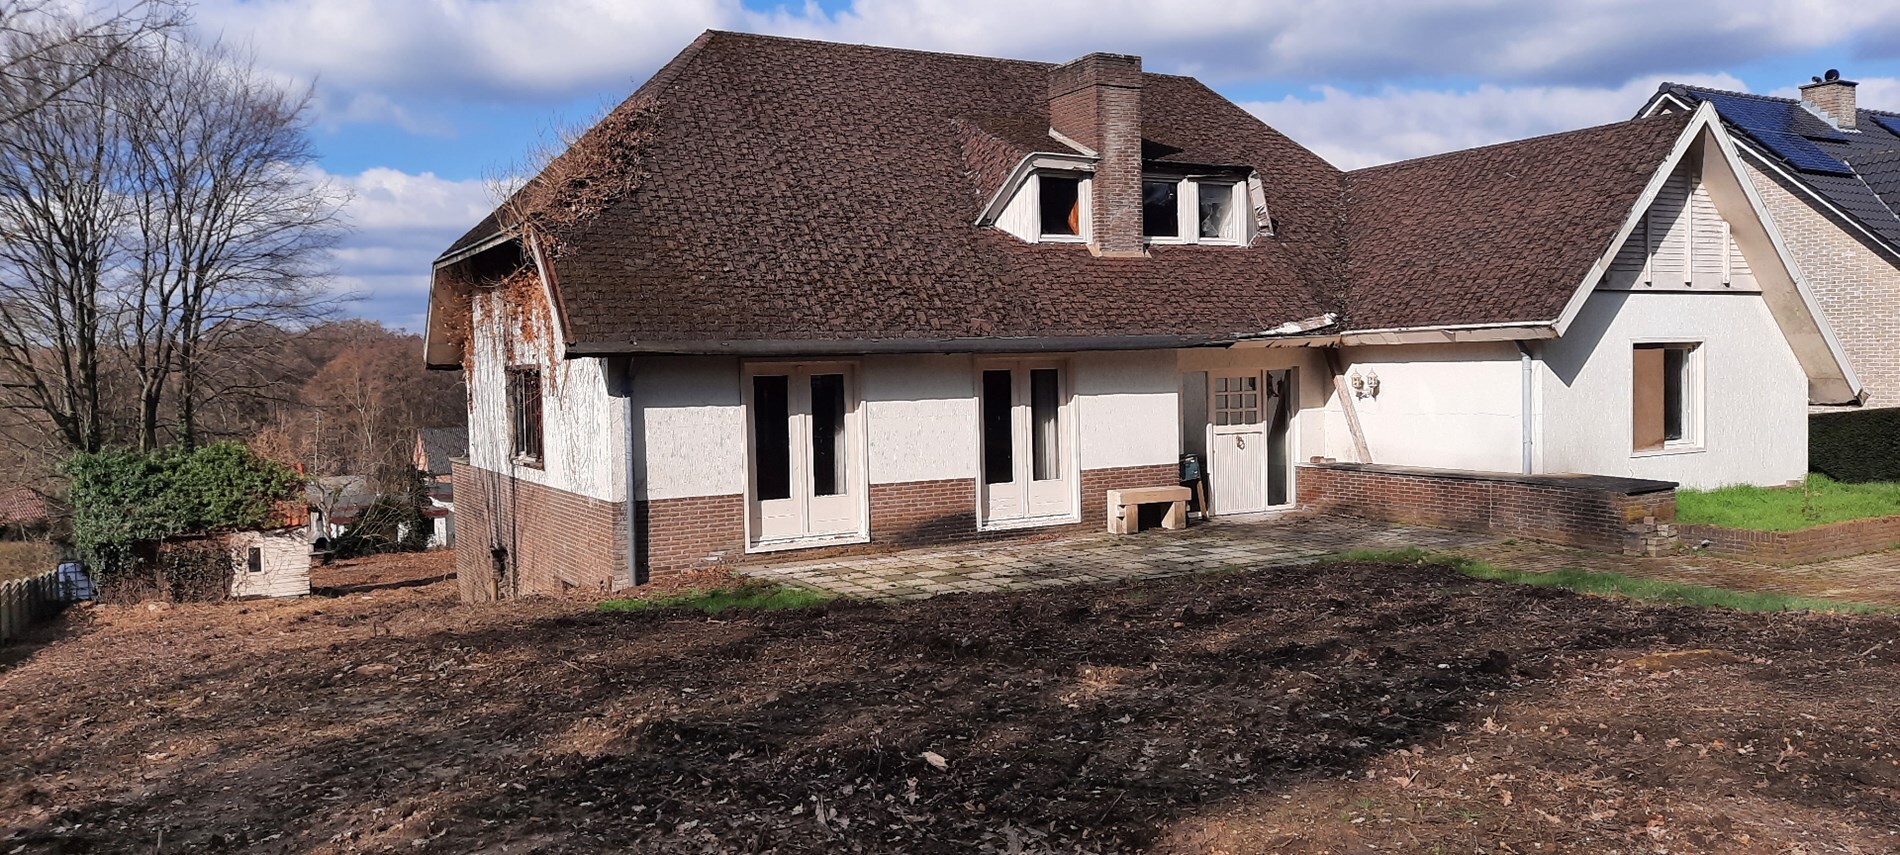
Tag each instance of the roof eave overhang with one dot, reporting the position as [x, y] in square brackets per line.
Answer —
[849, 347]
[1440, 334]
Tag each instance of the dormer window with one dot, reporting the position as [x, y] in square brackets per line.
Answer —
[1211, 206]
[1059, 206]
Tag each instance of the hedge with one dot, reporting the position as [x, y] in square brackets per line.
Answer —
[1855, 446]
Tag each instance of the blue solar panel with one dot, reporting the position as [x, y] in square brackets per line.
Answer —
[1774, 125]
[1891, 123]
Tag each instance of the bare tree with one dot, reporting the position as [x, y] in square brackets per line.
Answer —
[49, 49]
[231, 225]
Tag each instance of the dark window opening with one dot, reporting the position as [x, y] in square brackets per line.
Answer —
[827, 435]
[1160, 211]
[254, 560]
[772, 436]
[524, 413]
[998, 398]
[1061, 203]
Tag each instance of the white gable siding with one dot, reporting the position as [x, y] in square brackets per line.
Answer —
[1681, 242]
[285, 563]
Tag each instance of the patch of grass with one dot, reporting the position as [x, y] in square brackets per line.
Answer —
[1614, 584]
[19, 560]
[1824, 501]
[769, 598]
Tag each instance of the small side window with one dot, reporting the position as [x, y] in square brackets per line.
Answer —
[1663, 397]
[1218, 216]
[1060, 202]
[524, 413]
[254, 560]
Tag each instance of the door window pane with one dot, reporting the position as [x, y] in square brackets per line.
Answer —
[827, 435]
[772, 436]
[998, 465]
[1045, 399]
[1160, 215]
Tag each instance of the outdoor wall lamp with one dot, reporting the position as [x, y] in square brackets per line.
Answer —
[1365, 387]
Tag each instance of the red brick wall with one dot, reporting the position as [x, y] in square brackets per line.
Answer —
[555, 541]
[1096, 101]
[919, 512]
[1583, 512]
[1836, 540]
[681, 534]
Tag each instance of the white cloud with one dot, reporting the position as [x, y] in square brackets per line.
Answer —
[400, 222]
[1353, 130]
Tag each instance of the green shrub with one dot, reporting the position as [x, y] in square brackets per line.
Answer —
[1855, 446]
[122, 499]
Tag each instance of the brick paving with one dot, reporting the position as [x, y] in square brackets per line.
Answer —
[1873, 578]
[1222, 545]
[1293, 539]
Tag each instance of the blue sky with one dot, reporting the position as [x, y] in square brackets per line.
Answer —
[419, 104]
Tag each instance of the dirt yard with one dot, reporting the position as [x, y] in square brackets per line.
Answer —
[1344, 708]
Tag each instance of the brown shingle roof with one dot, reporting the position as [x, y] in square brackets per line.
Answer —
[809, 194]
[21, 506]
[1503, 233]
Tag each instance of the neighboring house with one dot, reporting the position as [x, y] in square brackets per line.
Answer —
[1829, 173]
[334, 501]
[436, 449]
[23, 514]
[795, 294]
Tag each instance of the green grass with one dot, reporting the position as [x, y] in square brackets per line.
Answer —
[715, 600]
[1615, 584]
[1788, 508]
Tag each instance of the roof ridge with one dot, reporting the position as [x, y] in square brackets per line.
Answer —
[741, 34]
[1710, 89]
[1521, 141]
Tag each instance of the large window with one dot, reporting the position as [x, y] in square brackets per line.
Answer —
[1664, 393]
[1211, 206]
[524, 414]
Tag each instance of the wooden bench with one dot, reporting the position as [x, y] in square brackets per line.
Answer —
[1124, 507]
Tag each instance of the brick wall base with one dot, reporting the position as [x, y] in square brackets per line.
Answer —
[676, 535]
[1623, 515]
[1835, 540]
[516, 537]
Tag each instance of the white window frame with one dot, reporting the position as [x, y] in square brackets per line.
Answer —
[1071, 436]
[1083, 206]
[1187, 216]
[1694, 398]
[859, 454]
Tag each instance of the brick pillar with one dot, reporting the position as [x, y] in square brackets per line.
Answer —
[1096, 101]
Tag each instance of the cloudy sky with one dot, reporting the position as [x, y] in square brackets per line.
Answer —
[419, 103]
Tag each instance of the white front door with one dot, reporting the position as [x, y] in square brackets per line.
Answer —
[1027, 456]
[1237, 406]
[805, 483]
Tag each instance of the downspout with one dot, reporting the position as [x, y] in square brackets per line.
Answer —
[1344, 393]
[1529, 381]
[629, 447]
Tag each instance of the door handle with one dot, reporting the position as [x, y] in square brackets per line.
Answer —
[1240, 441]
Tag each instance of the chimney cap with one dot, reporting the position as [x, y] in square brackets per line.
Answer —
[1831, 76]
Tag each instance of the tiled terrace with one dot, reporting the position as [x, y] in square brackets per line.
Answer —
[1233, 543]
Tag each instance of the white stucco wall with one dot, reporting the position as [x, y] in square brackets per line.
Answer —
[689, 426]
[1127, 408]
[583, 425]
[1754, 399]
[1314, 393]
[1452, 406]
[920, 414]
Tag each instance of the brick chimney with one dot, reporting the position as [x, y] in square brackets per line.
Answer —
[1096, 101]
[1832, 97]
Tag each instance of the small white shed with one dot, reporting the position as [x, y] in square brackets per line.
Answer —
[271, 563]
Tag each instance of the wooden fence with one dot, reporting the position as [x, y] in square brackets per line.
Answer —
[25, 602]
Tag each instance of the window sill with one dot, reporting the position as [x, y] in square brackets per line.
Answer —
[1061, 239]
[791, 543]
[1668, 450]
[1030, 522]
[528, 462]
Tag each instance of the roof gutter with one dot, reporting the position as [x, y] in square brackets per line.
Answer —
[1440, 334]
[846, 347]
